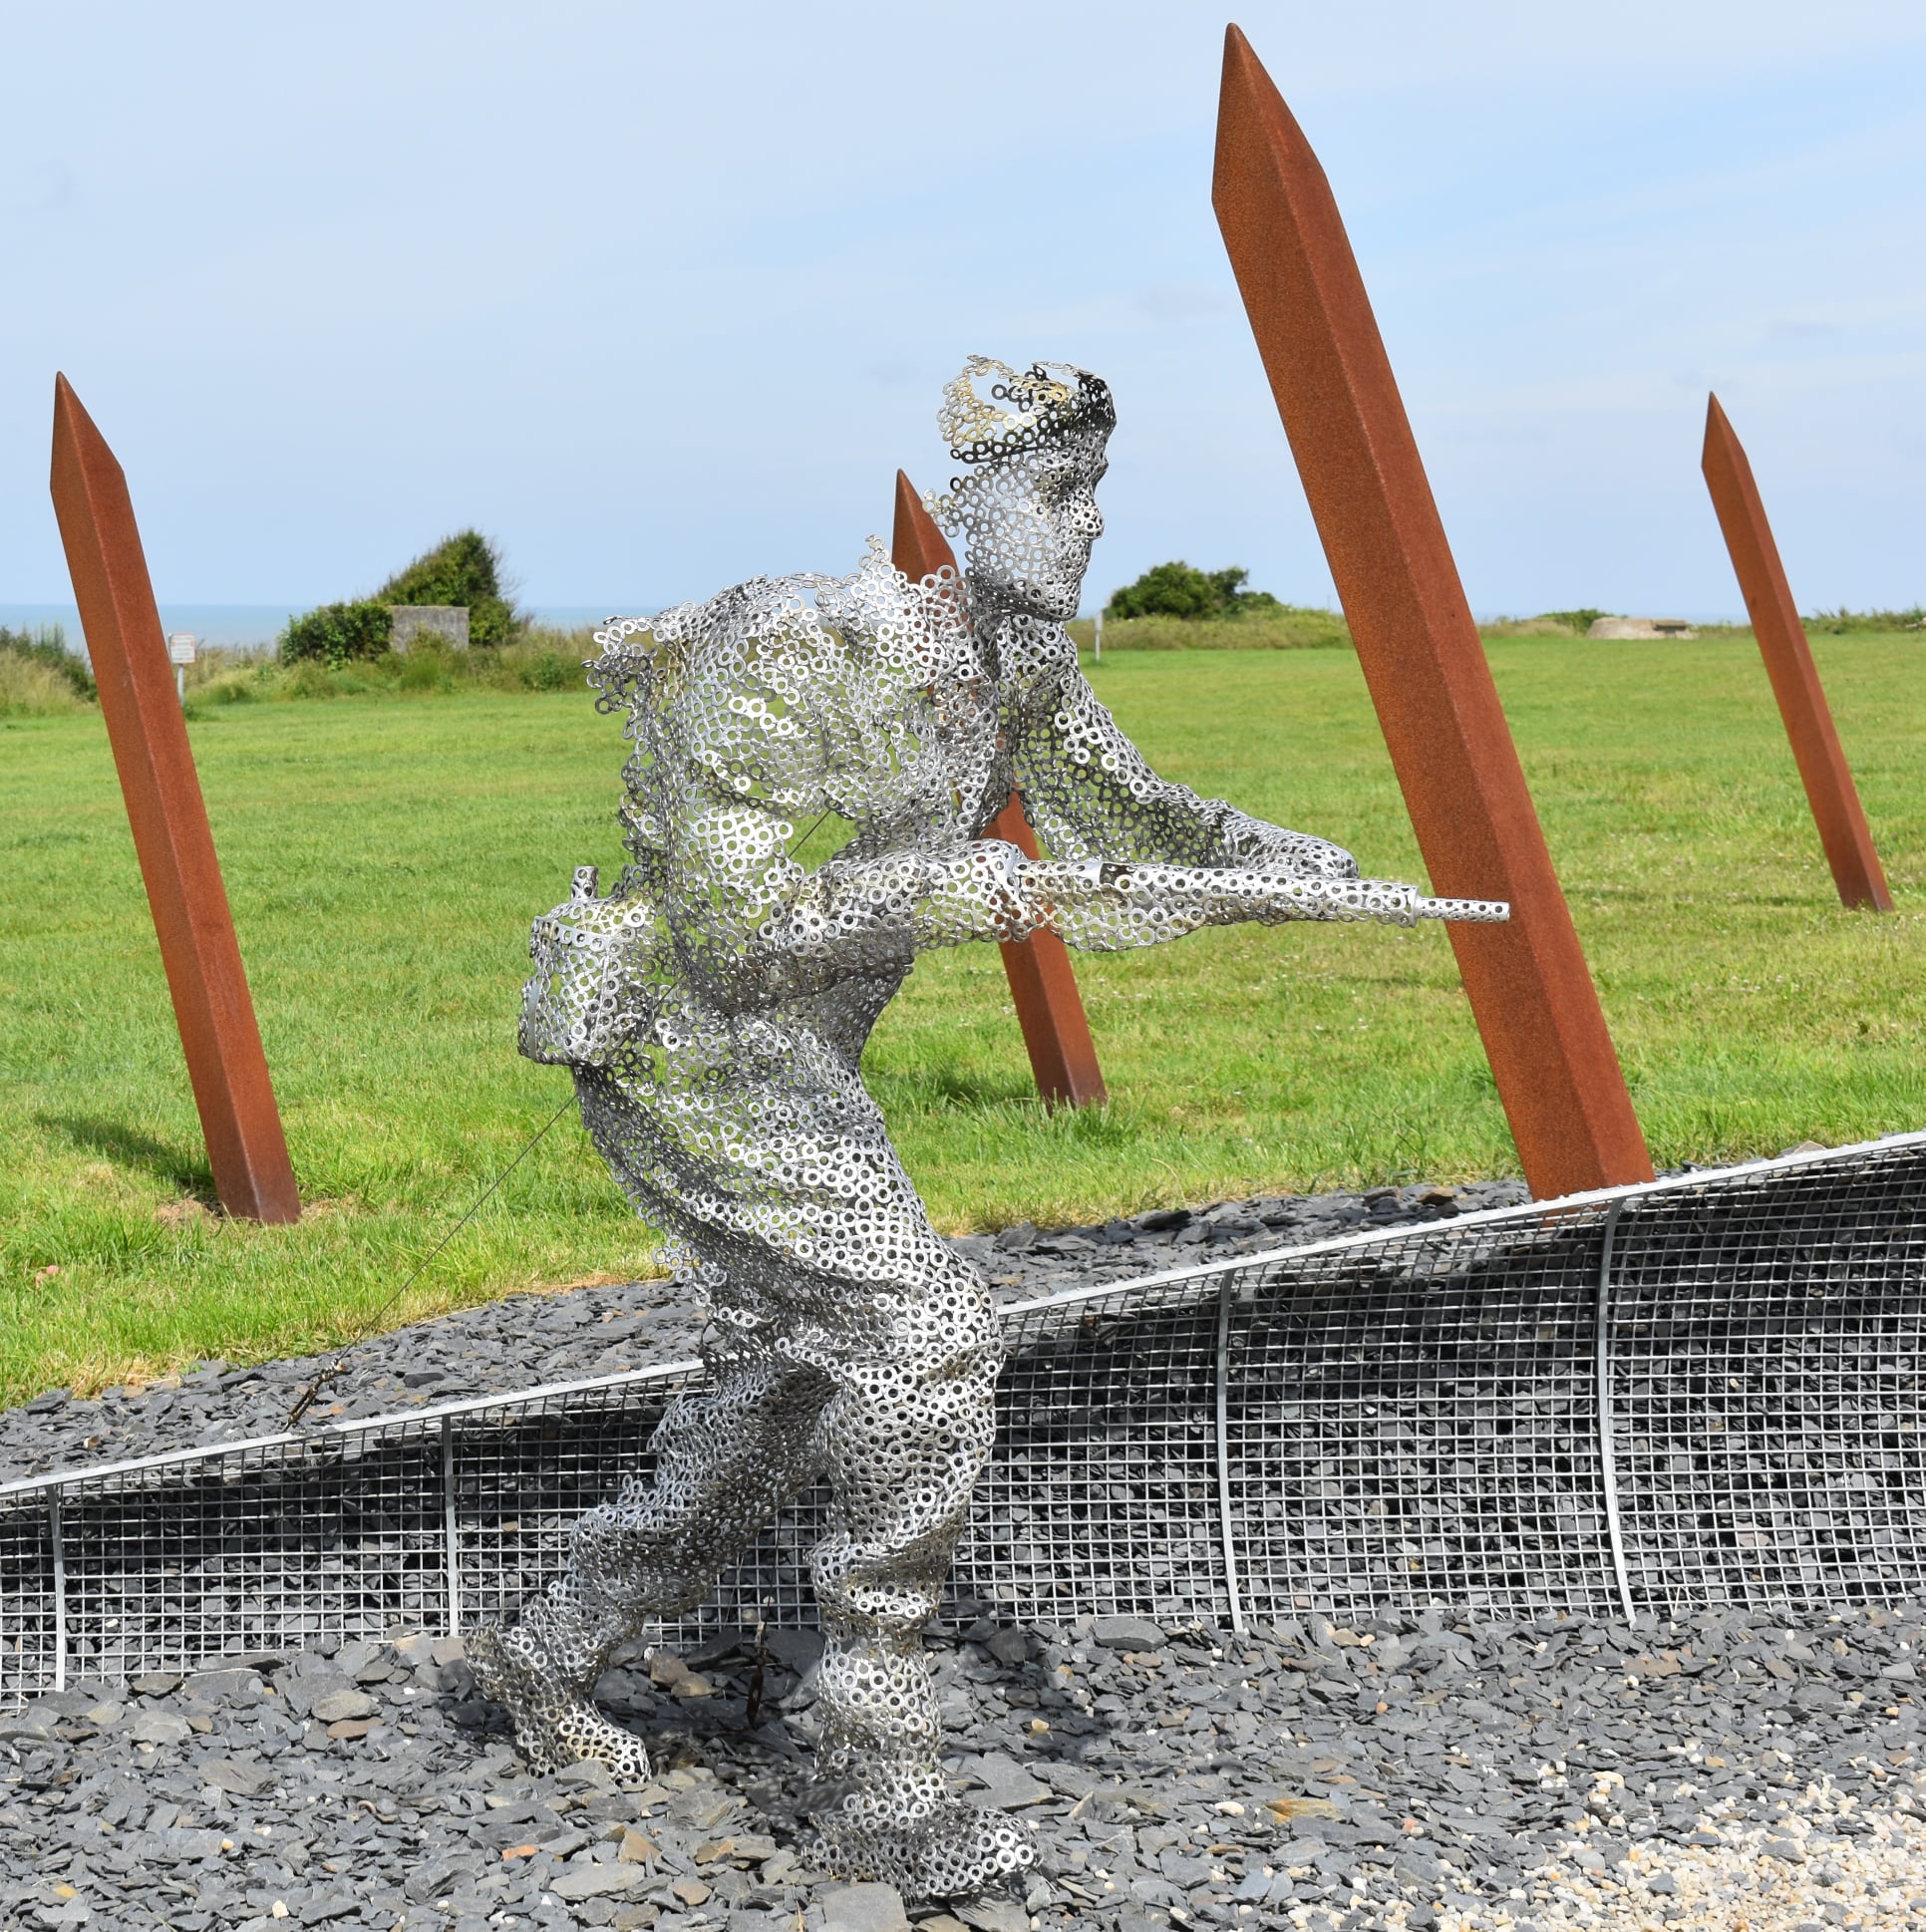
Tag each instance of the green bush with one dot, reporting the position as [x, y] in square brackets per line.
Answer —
[48, 647]
[1578, 621]
[551, 671]
[336, 633]
[1277, 627]
[1180, 591]
[465, 568]
[31, 689]
[1834, 622]
[428, 665]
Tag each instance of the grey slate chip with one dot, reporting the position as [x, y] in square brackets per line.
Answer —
[1286, 1714]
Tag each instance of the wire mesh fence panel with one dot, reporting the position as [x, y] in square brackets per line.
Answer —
[1415, 1421]
[1103, 1492]
[523, 1475]
[253, 1553]
[1768, 1339]
[1430, 1415]
[28, 1614]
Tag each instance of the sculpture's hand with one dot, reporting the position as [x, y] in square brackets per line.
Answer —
[1277, 851]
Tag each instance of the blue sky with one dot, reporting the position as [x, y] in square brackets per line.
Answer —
[662, 296]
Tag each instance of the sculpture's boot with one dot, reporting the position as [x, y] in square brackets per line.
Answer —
[728, 1456]
[543, 1670]
[905, 1438]
[886, 1813]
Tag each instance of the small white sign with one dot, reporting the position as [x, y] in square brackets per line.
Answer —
[181, 647]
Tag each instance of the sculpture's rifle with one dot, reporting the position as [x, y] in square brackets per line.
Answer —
[1478, 912]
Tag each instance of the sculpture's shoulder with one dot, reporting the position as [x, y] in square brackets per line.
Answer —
[778, 686]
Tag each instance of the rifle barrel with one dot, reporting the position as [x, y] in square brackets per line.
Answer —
[1488, 913]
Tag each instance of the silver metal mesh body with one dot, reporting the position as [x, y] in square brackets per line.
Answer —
[714, 1010]
[1727, 1363]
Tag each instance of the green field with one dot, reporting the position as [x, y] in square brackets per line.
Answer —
[384, 855]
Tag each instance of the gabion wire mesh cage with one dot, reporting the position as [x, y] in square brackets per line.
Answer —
[1702, 1390]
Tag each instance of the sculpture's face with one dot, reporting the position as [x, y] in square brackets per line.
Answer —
[1029, 523]
[1026, 511]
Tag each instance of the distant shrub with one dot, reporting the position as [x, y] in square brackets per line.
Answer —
[234, 674]
[48, 647]
[551, 671]
[538, 659]
[1181, 591]
[1580, 621]
[1274, 628]
[1834, 622]
[465, 568]
[30, 688]
[427, 666]
[337, 633]
[313, 677]
[1547, 623]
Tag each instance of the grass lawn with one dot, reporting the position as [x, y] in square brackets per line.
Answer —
[384, 855]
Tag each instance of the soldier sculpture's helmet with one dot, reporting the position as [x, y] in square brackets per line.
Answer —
[992, 413]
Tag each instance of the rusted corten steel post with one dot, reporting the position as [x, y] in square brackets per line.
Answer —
[226, 1063]
[1788, 663]
[1537, 1011]
[1043, 983]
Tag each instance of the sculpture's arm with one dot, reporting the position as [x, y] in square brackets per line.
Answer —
[989, 890]
[1093, 795]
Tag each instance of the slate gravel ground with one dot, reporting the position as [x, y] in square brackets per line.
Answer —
[1740, 1773]
[1437, 1773]
[526, 1340]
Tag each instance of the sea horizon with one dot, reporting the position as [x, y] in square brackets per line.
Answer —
[244, 626]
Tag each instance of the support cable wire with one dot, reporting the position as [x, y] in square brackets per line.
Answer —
[334, 1368]
[311, 1394]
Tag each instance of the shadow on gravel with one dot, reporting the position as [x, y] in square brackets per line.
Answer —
[729, 1705]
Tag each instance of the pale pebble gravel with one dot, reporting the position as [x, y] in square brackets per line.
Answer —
[531, 1339]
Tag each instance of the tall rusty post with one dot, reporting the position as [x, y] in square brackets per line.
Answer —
[226, 1062]
[1532, 993]
[1788, 663]
[1043, 983]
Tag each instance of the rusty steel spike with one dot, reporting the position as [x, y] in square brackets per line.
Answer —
[1532, 993]
[171, 839]
[1788, 663]
[1043, 983]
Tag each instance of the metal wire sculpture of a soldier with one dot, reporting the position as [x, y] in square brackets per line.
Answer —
[714, 1010]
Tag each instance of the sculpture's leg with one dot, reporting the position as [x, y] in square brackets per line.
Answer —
[727, 1460]
[906, 1434]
